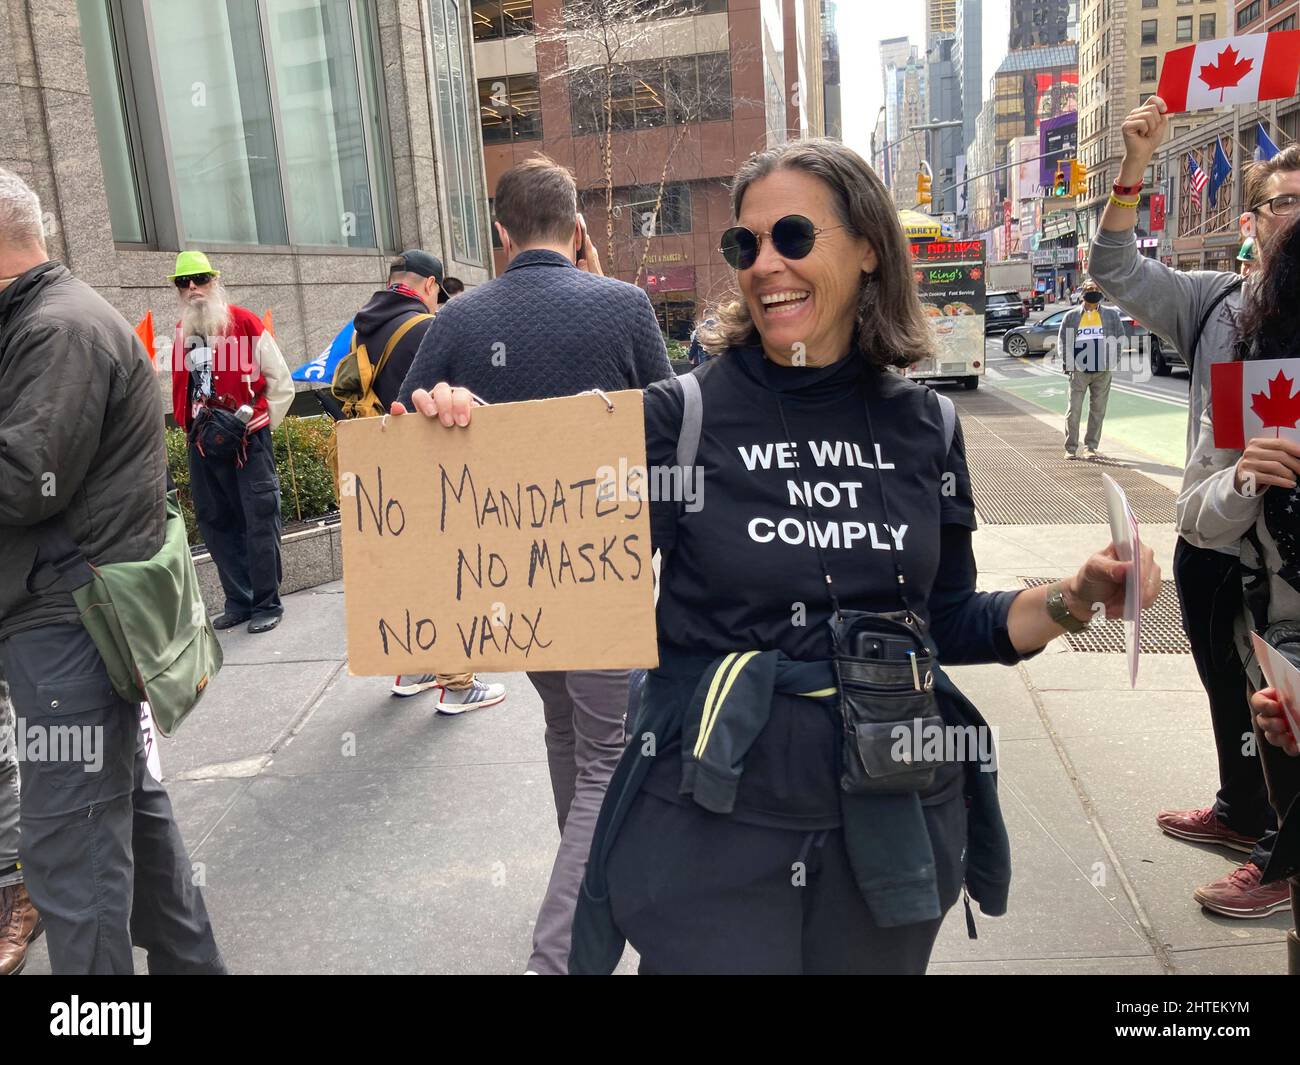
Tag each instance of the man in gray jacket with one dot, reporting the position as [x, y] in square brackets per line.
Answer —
[81, 446]
[1088, 343]
[1198, 312]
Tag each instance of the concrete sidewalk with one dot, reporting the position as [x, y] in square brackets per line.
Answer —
[339, 830]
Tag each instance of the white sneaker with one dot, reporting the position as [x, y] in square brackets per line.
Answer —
[414, 685]
[475, 697]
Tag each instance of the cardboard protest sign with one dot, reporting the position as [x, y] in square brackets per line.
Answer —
[520, 542]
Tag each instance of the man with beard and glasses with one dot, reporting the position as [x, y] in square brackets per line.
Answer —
[1202, 313]
[230, 388]
[81, 453]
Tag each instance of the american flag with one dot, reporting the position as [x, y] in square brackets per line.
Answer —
[1199, 180]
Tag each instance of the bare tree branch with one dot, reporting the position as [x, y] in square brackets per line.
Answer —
[610, 90]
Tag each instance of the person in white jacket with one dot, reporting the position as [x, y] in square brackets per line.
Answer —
[1250, 499]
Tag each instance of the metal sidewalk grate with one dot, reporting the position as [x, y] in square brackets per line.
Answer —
[1020, 476]
[1162, 627]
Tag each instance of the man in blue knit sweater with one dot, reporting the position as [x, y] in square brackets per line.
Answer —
[551, 325]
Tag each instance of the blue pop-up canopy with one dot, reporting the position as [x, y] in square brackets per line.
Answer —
[320, 370]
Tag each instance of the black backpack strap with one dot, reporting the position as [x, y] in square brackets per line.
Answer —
[688, 437]
[1233, 285]
[949, 411]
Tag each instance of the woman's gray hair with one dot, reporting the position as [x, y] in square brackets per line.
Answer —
[891, 327]
[21, 221]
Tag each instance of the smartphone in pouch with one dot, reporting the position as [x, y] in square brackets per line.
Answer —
[882, 648]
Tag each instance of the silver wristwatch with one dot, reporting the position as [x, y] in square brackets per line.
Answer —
[1060, 613]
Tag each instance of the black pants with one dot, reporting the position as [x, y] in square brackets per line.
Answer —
[238, 514]
[103, 859]
[1209, 595]
[695, 892]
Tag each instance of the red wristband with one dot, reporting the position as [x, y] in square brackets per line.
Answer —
[1126, 190]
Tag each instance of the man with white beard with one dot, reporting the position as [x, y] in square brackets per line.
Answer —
[230, 388]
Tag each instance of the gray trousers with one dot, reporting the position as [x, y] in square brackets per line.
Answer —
[102, 857]
[1096, 386]
[8, 789]
[584, 741]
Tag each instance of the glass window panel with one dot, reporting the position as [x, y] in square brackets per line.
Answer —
[715, 87]
[525, 107]
[486, 18]
[319, 95]
[624, 98]
[453, 111]
[1207, 27]
[380, 138]
[586, 111]
[494, 109]
[517, 17]
[109, 102]
[672, 217]
[1149, 28]
[1148, 68]
[217, 109]
[682, 86]
[648, 93]
[1183, 28]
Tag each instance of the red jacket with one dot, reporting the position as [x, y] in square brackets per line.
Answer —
[236, 378]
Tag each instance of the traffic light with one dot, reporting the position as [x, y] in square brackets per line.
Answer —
[1078, 179]
[1060, 187]
[923, 183]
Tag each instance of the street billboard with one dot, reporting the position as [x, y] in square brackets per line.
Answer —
[1057, 140]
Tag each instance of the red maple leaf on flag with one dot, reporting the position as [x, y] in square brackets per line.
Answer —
[1227, 70]
[1277, 408]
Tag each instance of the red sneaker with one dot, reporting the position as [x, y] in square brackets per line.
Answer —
[1240, 894]
[1201, 826]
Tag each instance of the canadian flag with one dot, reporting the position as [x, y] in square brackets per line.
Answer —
[1254, 399]
[1232, 70]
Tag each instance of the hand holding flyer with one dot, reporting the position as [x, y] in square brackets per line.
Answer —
[1124, 533]
[1282, 677]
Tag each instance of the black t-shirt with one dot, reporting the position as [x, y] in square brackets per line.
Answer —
[741, 572]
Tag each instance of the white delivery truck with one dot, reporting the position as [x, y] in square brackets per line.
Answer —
[1013, 275]
[950, 281]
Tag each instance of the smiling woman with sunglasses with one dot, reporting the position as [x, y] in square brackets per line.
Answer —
[773, 811]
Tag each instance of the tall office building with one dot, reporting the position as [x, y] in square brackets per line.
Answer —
[1040, 22]
[940, 20]
[968, 65]
[1120, 52]
[831, 71]
[943, 145]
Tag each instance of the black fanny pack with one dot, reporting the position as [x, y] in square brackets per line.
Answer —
[888, 707]
[218, 434]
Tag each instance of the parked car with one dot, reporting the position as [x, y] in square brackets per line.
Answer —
[1004, 310]
[1038, 338]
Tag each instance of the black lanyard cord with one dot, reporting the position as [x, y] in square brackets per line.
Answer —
[812, 536]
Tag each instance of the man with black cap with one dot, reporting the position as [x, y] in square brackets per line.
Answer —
[415, 288]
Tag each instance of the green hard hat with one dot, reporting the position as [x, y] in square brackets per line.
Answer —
[192, 262]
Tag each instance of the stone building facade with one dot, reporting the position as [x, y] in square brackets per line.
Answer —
[300, 143]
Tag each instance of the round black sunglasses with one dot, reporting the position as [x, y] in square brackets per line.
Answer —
[792, 236]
